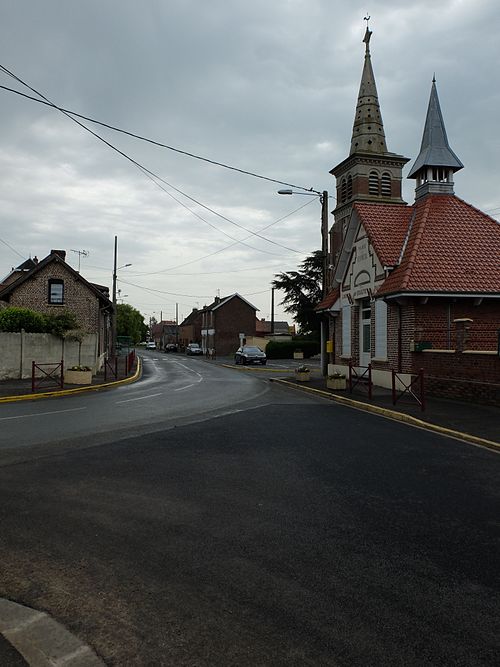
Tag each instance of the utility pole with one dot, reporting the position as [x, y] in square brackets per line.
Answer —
[113, 313]
[272, 311]
[325, 286]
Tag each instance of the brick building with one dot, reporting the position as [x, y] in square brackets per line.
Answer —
[412, 286]
[51, 286]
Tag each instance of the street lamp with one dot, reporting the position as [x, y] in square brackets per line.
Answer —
[323, 198]
[113, 313]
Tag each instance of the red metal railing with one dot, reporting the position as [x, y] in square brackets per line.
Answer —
[47, 377]
[416, 388]
[363, 379]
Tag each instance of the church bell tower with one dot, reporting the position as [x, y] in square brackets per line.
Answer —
[371, 173]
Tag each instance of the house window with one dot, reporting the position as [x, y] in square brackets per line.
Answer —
[373, 187]
[346, 331]
[56, 291]
[380, 329]
[385, 185]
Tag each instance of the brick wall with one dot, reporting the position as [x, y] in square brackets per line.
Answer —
[231, 319]
[33, 294]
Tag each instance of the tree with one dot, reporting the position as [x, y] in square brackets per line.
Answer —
[303, 292]
[130, 322]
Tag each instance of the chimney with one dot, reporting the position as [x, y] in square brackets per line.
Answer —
[35, 260]
[217, 299]
[60, 253]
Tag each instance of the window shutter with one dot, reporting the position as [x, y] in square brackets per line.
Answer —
[346, 331]
[380, 329]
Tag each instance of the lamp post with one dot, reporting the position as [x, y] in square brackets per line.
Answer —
[323, 198]
[113, 313]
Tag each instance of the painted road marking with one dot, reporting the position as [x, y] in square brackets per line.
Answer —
[141, 398]
[42, 414]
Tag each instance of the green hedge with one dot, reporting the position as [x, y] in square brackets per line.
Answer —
[285, 349]
[13, 319]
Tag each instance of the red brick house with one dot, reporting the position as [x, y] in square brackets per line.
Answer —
[51, 286]
[225, 322]
[413, 286]
[164, 332]
[190, 328]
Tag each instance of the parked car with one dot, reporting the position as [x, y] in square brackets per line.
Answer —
[170, 347]
[150, 345]
[250, 355]
[193, 348]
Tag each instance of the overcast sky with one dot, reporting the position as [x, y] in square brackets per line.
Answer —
[268, 86]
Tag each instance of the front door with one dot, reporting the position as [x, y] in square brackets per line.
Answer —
[364, 332]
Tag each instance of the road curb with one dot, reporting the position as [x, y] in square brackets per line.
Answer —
[397, 416]
[259, 370]
[42, 641]
[77, 390]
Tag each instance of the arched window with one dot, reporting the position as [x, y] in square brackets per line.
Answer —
[343, 190]
[373, 185]
[385, 185]
[349, 187]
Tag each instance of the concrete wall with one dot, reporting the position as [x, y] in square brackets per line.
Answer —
[19, 350]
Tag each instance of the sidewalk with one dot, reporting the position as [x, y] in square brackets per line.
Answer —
[480, 421]
[13, 388]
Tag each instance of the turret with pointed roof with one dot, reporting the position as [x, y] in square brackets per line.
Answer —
[436, 163]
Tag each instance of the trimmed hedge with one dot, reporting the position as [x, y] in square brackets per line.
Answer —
[285, 349]
[13, 319]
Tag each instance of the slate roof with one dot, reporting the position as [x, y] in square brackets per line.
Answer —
[451, 247]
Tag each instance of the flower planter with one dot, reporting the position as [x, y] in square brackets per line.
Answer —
[302, 376]
[78, 377]
[336, 383]
[298, 355]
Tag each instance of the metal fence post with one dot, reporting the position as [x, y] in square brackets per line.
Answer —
[370, 381]
[422, 390]
[62, 373]
[32, 377]
[393, 386]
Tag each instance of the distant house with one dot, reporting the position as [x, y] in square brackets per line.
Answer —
[226, 322]
[51, 286]
[190, 328]
[265, 327]
[164, 332]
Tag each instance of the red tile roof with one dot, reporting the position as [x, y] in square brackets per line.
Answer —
[329, 300]
[452, 247]
[387, 226]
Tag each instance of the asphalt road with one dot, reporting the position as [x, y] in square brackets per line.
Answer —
[274, 529]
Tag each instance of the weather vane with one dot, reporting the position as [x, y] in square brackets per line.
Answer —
[367, 18]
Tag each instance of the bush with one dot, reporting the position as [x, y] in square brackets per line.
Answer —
[13, 319]
[59, 324]
[285, 349]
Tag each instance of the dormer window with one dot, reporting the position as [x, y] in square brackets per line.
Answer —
[56, 291]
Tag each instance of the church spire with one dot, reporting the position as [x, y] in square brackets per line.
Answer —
[436, 162]
[368, 130]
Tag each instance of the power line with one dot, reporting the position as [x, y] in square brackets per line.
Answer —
[152, 176]
[13, 249]
[146, 139]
